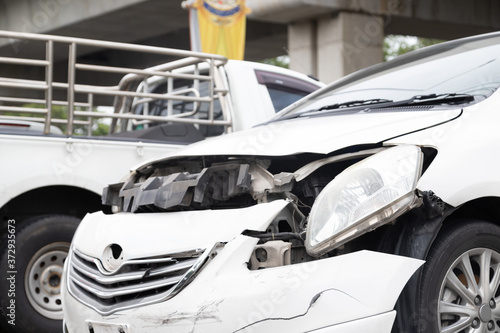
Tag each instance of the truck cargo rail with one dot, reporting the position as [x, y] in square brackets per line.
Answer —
[65, 74]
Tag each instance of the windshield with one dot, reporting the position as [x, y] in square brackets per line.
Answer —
[470, 66]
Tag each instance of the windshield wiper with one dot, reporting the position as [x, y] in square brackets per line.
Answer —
[376, 103]
[361, 102]
[448, 98]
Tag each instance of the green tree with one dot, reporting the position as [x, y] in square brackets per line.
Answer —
[395, 45]
[61, 112]
[100, 129]
[280, 61]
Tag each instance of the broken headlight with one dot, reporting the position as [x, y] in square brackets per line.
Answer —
[363, 197]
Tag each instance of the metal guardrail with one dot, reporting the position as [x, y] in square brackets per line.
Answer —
[128, 93]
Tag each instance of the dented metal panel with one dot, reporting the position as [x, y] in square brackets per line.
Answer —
[324, 135]
[170, 232]
[227, 297]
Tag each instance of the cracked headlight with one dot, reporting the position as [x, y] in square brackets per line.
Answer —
[363, 197]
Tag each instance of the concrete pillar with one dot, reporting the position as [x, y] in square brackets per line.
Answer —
[302, 47]
[333, 46]
[348, 42]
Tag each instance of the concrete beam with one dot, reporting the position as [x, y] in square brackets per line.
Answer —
[165, 23]
[150, 22]
[286, 11]
[348, 34]
[445, 19]
[49, 15]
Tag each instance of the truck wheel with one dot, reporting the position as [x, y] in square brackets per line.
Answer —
[460, 281]
[42, 245]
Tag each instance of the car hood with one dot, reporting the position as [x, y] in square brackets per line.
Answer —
[170, 232]
[320, 134]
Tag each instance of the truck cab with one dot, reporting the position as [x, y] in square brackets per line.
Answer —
[68, 128]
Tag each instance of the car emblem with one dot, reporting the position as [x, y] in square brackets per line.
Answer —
[112, 257]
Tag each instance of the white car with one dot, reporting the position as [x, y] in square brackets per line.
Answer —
[317, 220]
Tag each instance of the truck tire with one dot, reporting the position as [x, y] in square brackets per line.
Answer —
[41, 246]
[459, 289]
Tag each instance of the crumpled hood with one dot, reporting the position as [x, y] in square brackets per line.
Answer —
[320, 135]
[170, 232]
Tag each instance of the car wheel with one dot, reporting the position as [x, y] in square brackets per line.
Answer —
[42, 245]
[459, 290]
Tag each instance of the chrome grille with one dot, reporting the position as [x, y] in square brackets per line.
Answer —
[136, 282]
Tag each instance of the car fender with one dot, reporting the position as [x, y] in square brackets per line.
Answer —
[455, 174]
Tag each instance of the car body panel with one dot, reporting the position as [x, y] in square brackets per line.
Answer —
[256, 105]
[228, 297]
[463, 146]
[374, 324]
[326, 134]
[68, 161]
[170, 232]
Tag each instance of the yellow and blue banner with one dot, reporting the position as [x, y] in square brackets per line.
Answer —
[218, 26]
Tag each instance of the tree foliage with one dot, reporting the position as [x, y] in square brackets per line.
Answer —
[280, 61]
[61, 112]
[395, 45]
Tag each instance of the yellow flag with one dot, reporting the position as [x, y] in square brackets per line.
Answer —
[222, 25]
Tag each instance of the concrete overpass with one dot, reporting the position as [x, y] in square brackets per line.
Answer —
[325, 38]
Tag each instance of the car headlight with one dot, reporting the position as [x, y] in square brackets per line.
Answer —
[363, 197]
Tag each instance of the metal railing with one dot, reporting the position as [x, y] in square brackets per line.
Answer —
[33, 99]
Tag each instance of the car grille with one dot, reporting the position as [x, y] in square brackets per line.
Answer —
[136, 283]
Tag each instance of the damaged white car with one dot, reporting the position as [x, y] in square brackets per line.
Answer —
[319, 220]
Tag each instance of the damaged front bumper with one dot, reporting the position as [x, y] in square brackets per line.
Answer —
[352, 292]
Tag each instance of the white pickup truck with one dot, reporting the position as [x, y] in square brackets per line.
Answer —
[70, 130]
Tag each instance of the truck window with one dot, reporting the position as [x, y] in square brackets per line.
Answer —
[284, 90]
[161, 107]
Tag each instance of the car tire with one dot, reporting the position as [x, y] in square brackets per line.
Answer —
[459, 290]
[41, 246]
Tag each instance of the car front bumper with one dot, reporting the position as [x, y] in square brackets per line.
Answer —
[353, 292]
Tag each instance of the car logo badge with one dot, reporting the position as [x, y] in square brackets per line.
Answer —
[112, 257]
